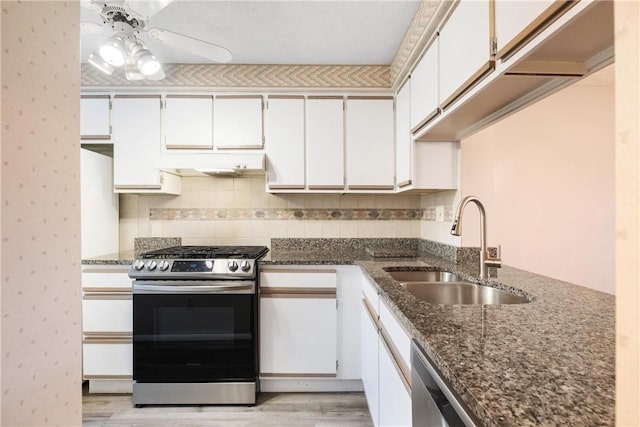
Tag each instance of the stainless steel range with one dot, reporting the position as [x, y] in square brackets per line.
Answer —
[195, 325]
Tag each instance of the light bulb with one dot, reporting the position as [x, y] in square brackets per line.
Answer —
[112, 51]
[146, 62]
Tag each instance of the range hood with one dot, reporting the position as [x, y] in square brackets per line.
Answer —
[213, 164]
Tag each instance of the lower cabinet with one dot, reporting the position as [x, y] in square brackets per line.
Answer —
[385, 369]
[309, 329]
[107, 319]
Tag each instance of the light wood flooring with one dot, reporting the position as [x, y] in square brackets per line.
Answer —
[272, 409]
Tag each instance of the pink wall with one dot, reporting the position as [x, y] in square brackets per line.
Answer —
[546, 177]
[40, 191]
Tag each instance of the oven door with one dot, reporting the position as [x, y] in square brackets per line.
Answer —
[183, 336]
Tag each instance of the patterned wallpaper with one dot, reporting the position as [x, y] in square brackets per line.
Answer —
[40, 271]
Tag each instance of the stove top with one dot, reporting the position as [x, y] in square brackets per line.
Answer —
[198, 263]
[207, 252]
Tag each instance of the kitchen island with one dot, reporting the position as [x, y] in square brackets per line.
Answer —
[550, 361]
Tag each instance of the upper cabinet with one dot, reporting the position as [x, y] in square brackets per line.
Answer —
[425, 99]
[403, 135]
[465, 49]
[370, 143]
[238, 122]
[284, 144]
[136, 146]
[499, 56]
[517, 22]
[325, 143]
[188, 122]
[95, 117]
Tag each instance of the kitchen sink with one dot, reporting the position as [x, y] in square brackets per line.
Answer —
[444, 287]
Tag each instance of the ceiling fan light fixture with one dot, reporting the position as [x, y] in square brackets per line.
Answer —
[96, 60]
[112, 51]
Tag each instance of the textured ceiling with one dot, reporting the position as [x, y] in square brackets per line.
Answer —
[281, 32]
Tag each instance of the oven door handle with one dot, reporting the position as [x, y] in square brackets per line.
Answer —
[188, 287]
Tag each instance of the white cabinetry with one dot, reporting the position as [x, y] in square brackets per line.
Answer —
[370, 143]
[325, 143]
[284, 142]
[403, 136]
[95, 117]
[516, 22]
[424, 88]
[238, 121]
[309, 328]
[188, 122]
[465, 53]
[136, 146]
[107, 328]
[386, 365]
[298, 329]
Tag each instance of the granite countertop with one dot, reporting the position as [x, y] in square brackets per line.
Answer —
[547, 362]
[116, 258]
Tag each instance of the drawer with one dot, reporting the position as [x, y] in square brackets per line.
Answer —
[400, 339]
[283, 278]
[370, 292]
[107, 313]
[107, 360]
[106, 278]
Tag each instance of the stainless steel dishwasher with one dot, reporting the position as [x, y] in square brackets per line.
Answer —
[432, 403]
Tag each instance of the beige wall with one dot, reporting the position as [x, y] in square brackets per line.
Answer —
[248, 192]
[627, 30]
[546, 178]
[41, 349]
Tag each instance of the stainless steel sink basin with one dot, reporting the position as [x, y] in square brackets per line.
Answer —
[443, 287]
[425, 276]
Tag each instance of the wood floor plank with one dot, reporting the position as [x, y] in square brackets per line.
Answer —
[271, 410]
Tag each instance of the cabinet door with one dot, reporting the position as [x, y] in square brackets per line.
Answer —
[517, 21]
[188, 122]
[107, 313]
[325, 143]
[424, 88]
[465, 53]
[369, 361]
[136, 142]
[237, 121]
[370, 145]
[298, 336]
[395, 394]
[403, 136]
[284, 142]
[95, 117]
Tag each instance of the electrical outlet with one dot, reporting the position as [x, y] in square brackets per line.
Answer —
[440, 213]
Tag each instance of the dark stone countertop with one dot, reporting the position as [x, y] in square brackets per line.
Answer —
[544, 363]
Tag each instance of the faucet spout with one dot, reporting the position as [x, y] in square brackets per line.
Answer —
[456, 230]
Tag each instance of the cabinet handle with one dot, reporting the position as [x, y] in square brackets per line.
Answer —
[404, 183]
[370, 187]
[273, 292]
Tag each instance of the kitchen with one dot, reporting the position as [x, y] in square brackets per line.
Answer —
[430, 228]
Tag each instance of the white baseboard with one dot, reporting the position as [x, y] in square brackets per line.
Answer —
[111, 386]
[309, 385]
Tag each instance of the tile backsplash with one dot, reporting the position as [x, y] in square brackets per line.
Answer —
[235, 211]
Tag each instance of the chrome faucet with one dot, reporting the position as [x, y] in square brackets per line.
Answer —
[486, 260]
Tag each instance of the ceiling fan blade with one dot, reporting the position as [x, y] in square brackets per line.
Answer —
[190, 44]
[145, 9]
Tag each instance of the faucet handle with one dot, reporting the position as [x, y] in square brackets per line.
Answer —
[496, 261]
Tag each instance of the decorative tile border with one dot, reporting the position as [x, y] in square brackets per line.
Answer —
[253, 76]
[199, 214]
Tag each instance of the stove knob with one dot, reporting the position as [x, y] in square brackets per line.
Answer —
[245, 266]
[208, 264]
[138, 265]
[151, 265]
[164, 265]
[232, 265]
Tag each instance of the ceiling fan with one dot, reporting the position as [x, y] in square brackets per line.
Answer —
[124, 49]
